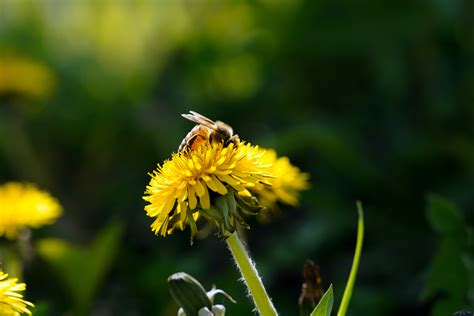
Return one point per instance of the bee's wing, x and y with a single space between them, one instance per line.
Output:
199 119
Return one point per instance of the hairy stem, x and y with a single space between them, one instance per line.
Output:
250 275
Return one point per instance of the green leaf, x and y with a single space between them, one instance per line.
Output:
41 309
443 216
448 273
324 306
82 269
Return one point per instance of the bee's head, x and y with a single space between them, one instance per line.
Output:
223 132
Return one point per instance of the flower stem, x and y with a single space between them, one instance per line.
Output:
10 261
250 275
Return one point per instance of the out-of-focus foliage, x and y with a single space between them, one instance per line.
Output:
41 309
450 273
374 100
82 269
20 76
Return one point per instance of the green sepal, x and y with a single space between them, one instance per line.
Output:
248 205
234 211
192 225
231 200
213 292
223 208
227 212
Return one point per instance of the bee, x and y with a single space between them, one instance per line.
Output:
207 130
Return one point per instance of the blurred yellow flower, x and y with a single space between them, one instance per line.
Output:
12 302
285 185
23 205
25 77
212 181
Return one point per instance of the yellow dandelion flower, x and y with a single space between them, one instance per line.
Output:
25 77
23 205
212 181
285 185
12 302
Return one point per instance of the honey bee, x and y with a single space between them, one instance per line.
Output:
207 130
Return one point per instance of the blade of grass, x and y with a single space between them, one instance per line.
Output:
355 263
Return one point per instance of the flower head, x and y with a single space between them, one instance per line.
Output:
25 77
23 205
12 302
212 181
285 185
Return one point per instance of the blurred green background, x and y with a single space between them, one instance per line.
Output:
374 99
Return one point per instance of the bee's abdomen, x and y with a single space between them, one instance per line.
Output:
197 134
183 144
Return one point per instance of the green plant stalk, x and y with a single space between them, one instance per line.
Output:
10 261
250 275
355 263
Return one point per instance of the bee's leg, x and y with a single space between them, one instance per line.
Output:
234 139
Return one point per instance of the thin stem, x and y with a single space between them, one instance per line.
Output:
10 261
250 275
355 263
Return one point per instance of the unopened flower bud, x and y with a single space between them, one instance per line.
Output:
205 312
463 313
218 310
188 293
191 297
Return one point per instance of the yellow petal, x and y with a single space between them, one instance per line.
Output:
228 179
205 200
197 165
220 188
245 193
190 164
182 209
167 206
200 189
192 197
